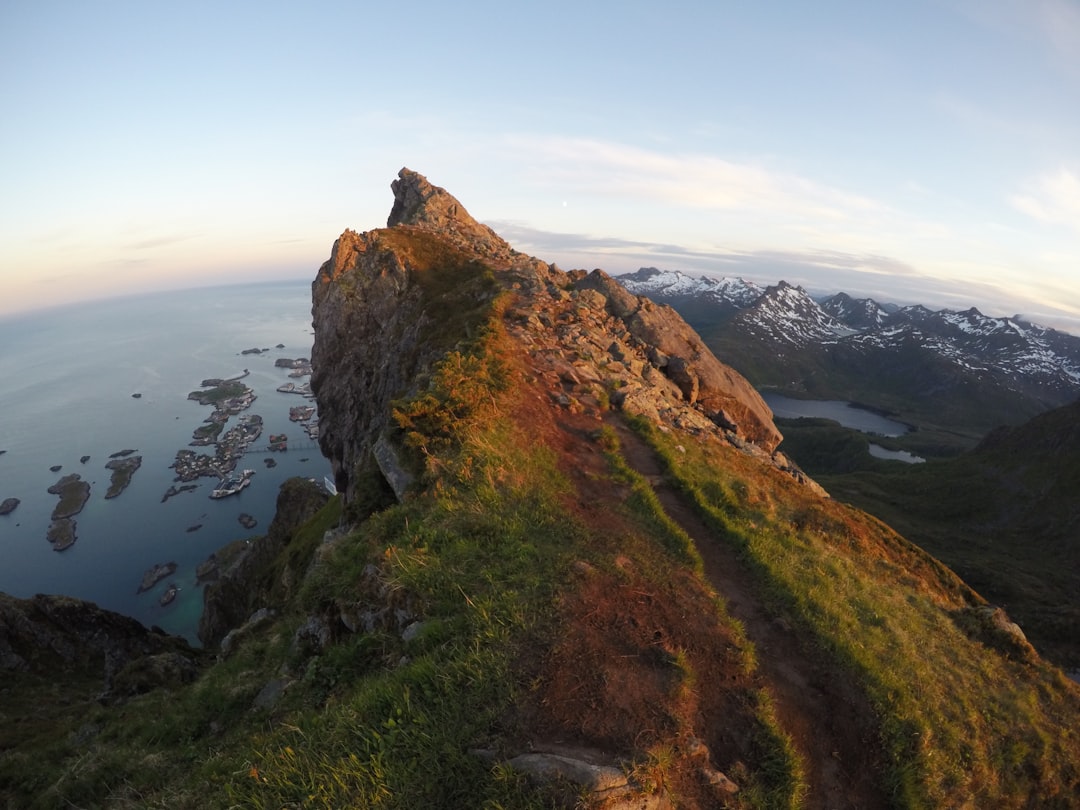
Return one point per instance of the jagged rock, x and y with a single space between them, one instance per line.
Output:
241 589
9 505
313 636
260 618
47 634
390 465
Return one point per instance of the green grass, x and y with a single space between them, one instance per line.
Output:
960 722
227 389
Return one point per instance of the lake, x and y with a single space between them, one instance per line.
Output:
848 416
845 413
68 376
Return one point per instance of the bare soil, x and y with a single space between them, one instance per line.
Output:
828 718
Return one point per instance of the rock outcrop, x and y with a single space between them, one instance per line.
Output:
389 303
251 581
48 635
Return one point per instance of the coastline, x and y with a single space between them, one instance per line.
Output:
71 399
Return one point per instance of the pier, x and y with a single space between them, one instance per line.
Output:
291 447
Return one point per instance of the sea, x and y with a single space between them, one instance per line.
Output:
69 375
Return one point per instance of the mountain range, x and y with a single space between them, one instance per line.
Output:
568 564
955 375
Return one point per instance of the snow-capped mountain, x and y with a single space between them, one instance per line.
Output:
996 368
665 284
860 313
786 314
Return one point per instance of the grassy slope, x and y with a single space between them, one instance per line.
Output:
1004 517
486 553
511 562
964 724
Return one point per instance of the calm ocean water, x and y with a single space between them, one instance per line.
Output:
67 379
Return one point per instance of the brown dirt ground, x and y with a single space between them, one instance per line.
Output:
612 684
828 718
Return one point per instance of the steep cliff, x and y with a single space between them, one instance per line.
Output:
389 303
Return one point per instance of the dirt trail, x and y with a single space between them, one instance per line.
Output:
828 719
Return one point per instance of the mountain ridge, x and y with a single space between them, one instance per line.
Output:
979 372
568 567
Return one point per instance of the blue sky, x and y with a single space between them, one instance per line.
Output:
916 151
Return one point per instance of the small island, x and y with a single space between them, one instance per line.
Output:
73 492
8 505
247 521
122 471
154 575
169 595
56 468
122 453
84 459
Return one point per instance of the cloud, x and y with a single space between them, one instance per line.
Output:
158 241
689 180
819 268
1052 198
884 278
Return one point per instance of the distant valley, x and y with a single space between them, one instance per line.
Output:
994 403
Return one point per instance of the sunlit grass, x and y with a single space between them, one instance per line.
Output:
960 722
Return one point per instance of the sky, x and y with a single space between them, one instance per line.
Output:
918 152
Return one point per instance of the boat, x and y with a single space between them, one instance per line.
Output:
233 484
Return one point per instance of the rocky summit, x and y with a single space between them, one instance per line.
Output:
586 337
566 566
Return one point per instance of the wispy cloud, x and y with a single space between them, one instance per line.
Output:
885 278
1052 198
690 180
164 240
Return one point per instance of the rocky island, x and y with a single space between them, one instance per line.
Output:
8 505
230 446
73 492
154 575
122 471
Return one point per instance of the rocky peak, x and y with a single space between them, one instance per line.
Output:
420 204
390 303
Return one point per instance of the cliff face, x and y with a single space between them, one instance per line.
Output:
48 635
390 302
